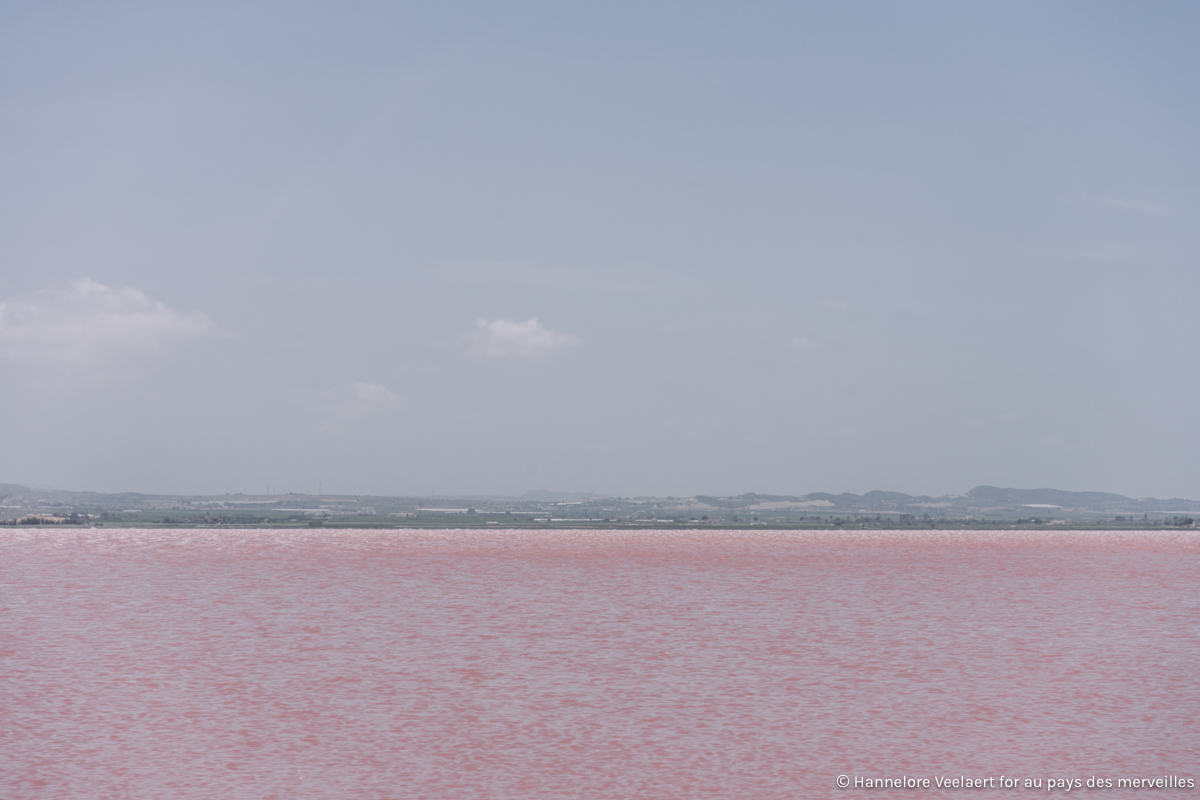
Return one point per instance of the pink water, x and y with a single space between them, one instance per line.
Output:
584 664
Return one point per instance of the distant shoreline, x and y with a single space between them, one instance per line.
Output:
459 524
981 508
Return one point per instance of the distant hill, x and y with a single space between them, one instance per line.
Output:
557 497
977 501
1100 501
745 500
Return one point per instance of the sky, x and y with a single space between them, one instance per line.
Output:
651 248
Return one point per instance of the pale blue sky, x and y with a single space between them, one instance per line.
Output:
768 247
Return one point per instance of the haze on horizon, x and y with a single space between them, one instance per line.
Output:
632 248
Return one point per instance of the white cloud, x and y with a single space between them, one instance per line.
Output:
88 322
373 393
506 338
353 402
798 343
835 305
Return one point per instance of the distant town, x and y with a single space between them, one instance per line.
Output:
981 507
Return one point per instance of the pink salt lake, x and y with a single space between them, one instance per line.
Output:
591 664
